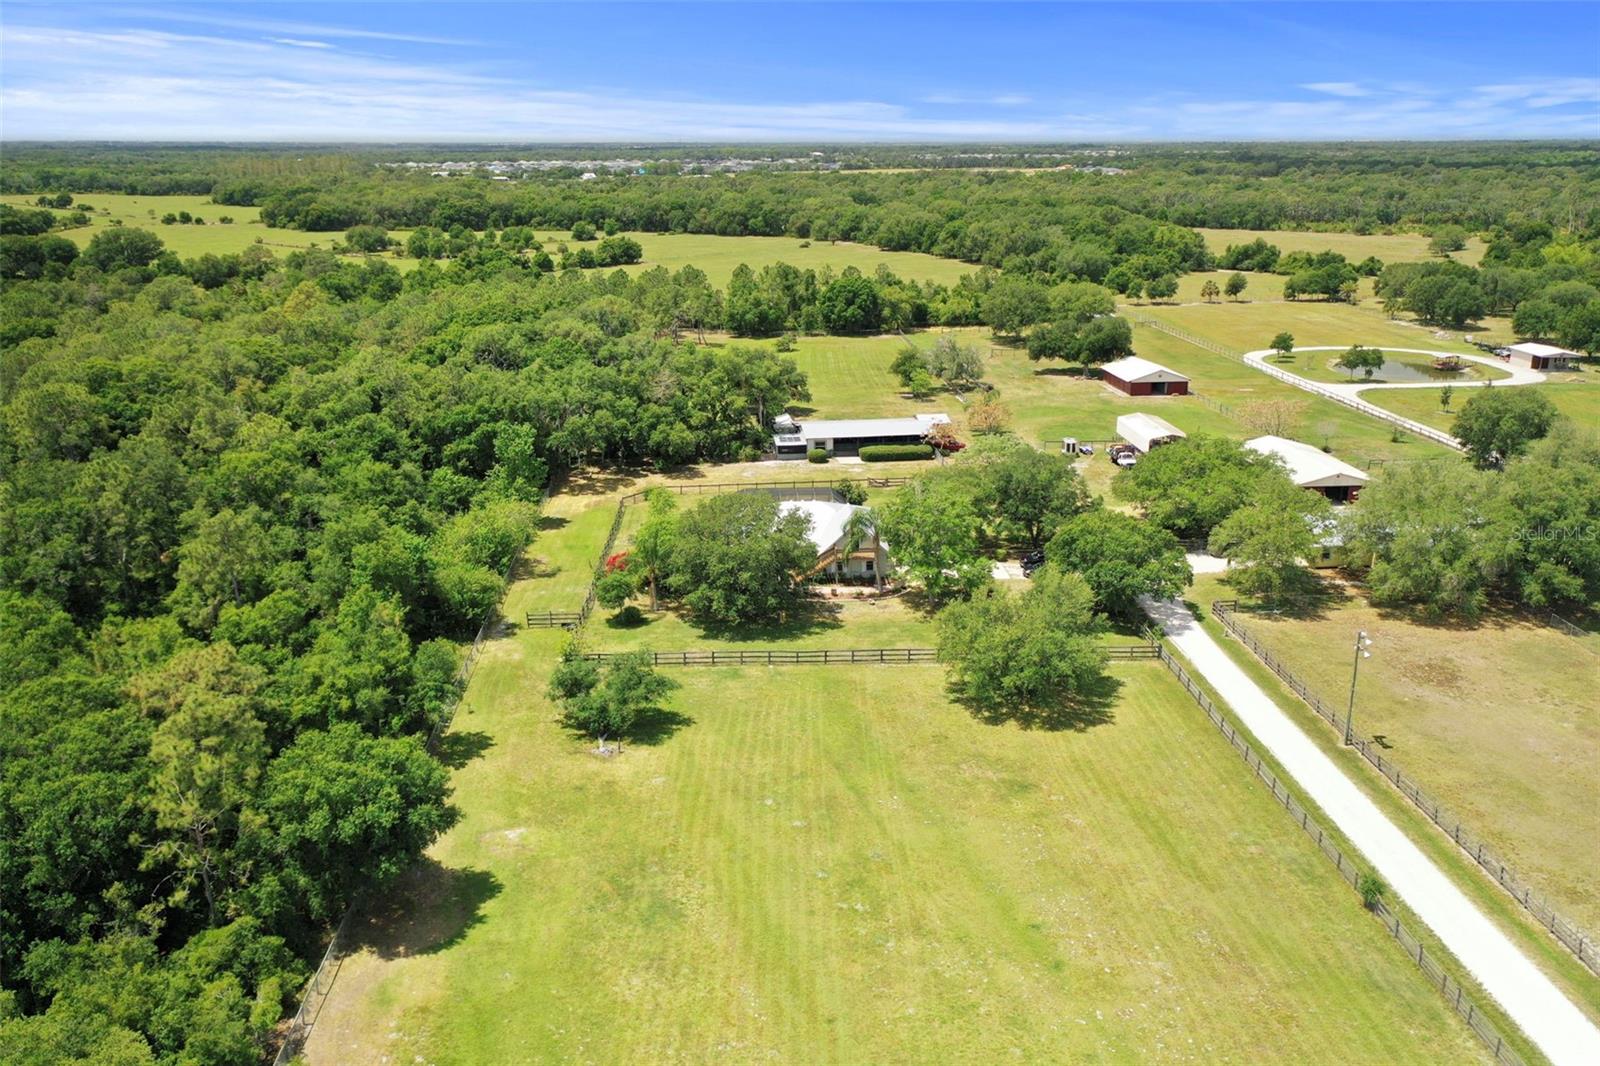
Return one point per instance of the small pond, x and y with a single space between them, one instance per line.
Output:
1400 369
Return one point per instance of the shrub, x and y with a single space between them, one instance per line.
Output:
629 616
852 491
817 455
892 453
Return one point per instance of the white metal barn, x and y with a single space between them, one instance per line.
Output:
1312 468
1147 431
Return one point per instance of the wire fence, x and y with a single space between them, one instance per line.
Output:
1571 935
1355 402
1448 986
321 983
828 656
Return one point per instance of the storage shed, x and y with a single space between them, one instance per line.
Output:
1147 431
1141 377
1312 468
1536 356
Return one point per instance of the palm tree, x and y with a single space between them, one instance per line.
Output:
859 528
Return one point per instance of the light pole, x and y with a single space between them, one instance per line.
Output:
1363 642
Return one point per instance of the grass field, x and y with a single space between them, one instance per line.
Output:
717 256
188 241
1496 721
1390 247
1250 326
1578 398
839 865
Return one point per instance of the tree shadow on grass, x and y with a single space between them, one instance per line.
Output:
429 908
456 748
551 522
1078 713
1309 598
815 616
656 725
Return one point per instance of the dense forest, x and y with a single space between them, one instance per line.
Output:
245 529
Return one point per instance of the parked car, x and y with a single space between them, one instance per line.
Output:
1123 454
1031 562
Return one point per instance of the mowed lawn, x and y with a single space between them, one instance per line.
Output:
1576 395
1389 247
839 865
1498 722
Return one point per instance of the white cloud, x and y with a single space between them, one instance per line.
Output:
1337 88
142 83
1000 100
297 43
292 29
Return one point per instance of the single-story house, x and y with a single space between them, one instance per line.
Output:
1141 377
1536 356
1147 431
868 560
1312 468
791 439
1329 550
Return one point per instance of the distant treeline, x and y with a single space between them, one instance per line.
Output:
931 209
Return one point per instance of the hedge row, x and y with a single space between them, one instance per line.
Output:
890 453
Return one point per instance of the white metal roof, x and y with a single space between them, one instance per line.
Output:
827 519
848 428
1309 467
1546 351
1140 429
1133 368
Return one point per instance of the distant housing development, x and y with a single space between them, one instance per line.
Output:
1312 468
847 436
1141 377
1536 356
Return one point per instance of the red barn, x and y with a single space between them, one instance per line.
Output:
1141 377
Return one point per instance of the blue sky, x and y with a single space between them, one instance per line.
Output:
825 72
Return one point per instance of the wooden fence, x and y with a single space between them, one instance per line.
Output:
1571 935
697 488
828 656
553 619
1448 986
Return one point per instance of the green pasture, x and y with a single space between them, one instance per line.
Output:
841 865
1246 327
188 241
1576 394
1390 247
719 256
